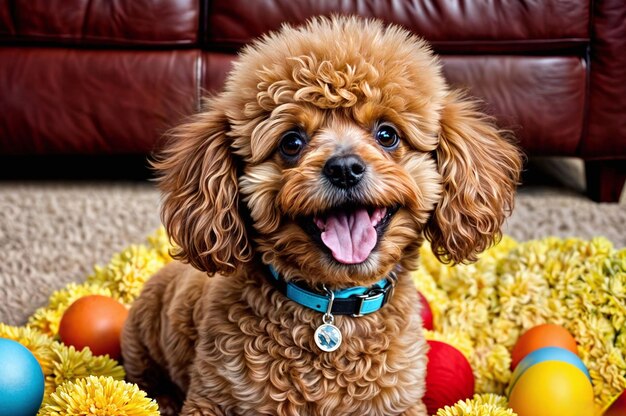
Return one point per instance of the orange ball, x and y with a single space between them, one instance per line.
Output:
546 335
96 322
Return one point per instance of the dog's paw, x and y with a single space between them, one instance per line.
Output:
417 410
204 408
168 405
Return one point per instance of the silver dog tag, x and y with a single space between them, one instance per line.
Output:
328 337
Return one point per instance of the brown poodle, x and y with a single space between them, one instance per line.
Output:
305 190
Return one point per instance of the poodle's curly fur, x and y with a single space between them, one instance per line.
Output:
237 199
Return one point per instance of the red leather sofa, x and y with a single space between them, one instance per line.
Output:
98 77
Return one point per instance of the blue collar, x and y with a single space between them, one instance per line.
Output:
355 301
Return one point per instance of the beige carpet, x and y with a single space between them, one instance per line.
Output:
54 233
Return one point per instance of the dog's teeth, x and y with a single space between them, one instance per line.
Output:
375 217
320 224
378 215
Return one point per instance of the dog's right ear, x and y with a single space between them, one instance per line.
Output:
200 208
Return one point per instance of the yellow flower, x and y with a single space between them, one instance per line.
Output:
98 396
493 363
437 299
69 364
480 405
160 241
127 272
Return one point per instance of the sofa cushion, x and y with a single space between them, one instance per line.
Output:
136 22
78 101
215 68
449 25
539 98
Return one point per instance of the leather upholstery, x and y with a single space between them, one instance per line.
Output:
91 22
6 19
521 92
450 25
215 68
96 76
606 137
57 100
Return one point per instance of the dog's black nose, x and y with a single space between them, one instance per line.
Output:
344 171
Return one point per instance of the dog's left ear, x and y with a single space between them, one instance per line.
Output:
480 171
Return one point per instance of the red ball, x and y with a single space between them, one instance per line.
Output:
618 406
96 322
449 377
427 313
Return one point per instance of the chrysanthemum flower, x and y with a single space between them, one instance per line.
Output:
69 364
160 241
493 362
437 298
480 405
127 272
98 396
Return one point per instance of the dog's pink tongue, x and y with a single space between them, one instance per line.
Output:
350 236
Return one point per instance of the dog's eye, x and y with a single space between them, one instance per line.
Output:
388 137
292 144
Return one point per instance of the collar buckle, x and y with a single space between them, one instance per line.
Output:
375 293
360 299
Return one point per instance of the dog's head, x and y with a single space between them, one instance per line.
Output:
334 149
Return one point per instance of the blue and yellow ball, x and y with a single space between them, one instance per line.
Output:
547 354
552 388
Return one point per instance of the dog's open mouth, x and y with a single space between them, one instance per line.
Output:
350 233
